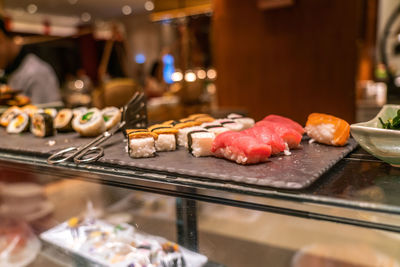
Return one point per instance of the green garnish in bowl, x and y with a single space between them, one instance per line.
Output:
393 124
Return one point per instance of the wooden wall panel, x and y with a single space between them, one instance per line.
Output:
290 61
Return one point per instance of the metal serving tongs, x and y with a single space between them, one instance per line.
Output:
134 115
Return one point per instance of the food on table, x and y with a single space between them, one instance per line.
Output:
247 122
141 143
273 135
78 111
111 116
201 118
214 127
63 120
182 135
285 121
42 125
239 147
166 140
393 123
8 115
289 135
200 142
327 129
18 124
268 136
90 123
231 124
29 109
51 111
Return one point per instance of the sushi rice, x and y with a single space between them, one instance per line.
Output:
111 116
18 124
90 123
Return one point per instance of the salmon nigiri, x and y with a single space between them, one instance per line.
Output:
327 129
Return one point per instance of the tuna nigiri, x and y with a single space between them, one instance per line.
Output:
289 135
268 136
285 121
327 129
239 147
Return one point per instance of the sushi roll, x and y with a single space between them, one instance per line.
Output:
90 123
51 111
42 125
200 143
231 124
63 120
141 143
245 121
183 131
166 140
111 116
214 127
29 109
78 111
8 115
194 122
18 124
201 118
327 129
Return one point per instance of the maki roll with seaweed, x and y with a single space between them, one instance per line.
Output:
78 111
8 115
18 124
111 116
141 143
245 121
200 143
90 123
51 111
63 120
42 125
166 140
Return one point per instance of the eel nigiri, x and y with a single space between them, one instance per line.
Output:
327 129
239 147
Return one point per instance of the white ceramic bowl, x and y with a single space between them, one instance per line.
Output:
382 143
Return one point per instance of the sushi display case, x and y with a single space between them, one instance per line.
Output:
165 211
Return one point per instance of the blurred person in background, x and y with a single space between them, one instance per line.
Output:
155 85
26 72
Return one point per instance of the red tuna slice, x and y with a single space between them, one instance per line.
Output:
269 136
241 148
285 121
288 134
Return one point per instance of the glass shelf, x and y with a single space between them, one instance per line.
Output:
360 190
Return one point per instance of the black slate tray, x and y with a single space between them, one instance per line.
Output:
296 171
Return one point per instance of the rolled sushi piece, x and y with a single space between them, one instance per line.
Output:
141 143
78 111
63 120
214 127
8 115
42 125
111 116
327 129
29 109
200 143
90 123
166 140
51 111
18 124
231 124
182 134
245 121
